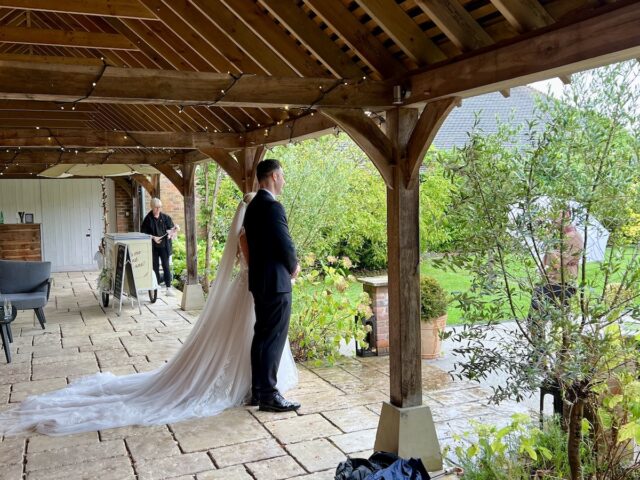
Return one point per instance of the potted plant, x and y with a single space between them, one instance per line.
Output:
433 316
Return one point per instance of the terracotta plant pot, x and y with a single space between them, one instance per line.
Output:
430 336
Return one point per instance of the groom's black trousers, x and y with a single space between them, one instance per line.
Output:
273 311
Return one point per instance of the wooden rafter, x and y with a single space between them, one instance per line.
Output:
65 38
356 35
49 82
524 15
404 31
219 14
456 23
310 35
563 50
106 8
286 47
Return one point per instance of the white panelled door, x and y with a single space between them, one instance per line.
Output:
71 222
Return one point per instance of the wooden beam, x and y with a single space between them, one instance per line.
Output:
310 35
103 8
358 37
608 35
367 136
50 157
404 31
430 121
16 57
456 23
524 15
43 106
58 114
48 82
189 193
298 129
229 164
69 138
173 176
145 182
65 38
51 123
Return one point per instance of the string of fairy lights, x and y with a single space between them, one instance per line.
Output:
291 118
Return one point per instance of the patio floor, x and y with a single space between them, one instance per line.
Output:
339 414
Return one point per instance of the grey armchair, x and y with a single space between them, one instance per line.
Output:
27 285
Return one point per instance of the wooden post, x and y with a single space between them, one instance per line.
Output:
192 295
135 206
188 177
403 267
155 181
249 159
406 426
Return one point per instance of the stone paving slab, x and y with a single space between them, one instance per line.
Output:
316 455
246 452
275 468
339 415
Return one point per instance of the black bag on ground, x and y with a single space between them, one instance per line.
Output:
381 466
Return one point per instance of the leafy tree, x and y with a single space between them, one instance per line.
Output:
582 148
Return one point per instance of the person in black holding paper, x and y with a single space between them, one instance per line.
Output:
162 231
272 266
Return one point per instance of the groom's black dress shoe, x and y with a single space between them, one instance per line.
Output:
278 404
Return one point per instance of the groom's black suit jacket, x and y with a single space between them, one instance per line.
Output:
272 256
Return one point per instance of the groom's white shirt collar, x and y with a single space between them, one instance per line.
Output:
272 195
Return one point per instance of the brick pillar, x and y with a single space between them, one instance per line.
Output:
378 290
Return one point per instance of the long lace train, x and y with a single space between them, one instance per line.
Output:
210 373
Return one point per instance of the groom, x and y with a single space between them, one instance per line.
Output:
272 265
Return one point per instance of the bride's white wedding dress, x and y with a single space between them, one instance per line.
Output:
210 373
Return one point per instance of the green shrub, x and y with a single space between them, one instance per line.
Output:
179 259
324 313
517 451
433 299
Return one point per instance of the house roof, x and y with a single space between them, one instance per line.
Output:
485 113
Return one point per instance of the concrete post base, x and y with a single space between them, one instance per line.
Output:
409 432
192 297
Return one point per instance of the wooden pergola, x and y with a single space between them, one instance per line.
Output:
171 83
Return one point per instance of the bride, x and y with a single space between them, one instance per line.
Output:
210 373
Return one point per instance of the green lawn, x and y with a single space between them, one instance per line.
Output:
460 281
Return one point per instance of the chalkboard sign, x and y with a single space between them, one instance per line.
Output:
124 270
121 258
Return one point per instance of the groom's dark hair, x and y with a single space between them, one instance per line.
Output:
266 168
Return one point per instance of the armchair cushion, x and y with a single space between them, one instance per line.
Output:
25 301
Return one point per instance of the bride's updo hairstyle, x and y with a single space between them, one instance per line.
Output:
248 197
